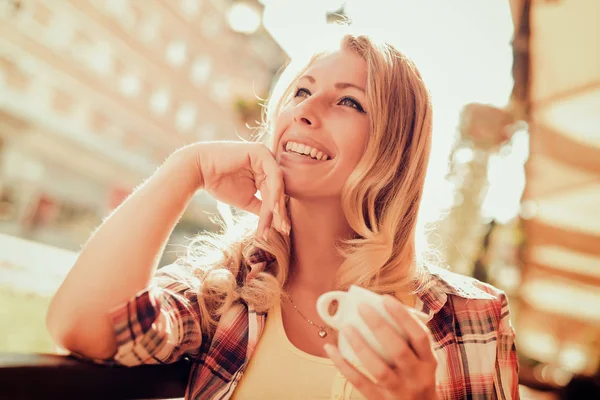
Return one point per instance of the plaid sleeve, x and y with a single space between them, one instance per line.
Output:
159 324
506 377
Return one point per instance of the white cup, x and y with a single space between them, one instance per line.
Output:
347 314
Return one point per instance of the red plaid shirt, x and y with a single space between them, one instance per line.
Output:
469 320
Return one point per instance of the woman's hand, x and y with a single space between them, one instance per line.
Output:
232 172
412 375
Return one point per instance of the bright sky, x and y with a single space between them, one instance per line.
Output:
462 49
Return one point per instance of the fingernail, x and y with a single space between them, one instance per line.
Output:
265 234
276 209
327 347
281 226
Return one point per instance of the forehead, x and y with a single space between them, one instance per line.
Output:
343 65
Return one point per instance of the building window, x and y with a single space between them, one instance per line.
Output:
207 132
159 101
176 53
129 85
201 69
148 28
190 8
210 26
186 117
221 90
101 60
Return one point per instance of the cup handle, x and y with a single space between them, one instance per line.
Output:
323 307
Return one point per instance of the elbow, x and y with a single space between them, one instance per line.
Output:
56 324
60 329
60 321
83 338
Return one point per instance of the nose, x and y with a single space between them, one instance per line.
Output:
306 114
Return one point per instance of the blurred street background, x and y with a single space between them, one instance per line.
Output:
95 94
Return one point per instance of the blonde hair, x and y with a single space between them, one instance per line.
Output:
380 199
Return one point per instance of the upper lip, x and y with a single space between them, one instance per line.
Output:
311 143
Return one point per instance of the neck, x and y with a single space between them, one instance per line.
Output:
317 227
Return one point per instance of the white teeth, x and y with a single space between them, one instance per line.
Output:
306 150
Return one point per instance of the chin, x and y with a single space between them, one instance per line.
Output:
298 188
303 189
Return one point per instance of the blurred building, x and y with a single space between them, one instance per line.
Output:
95 94
557 88
548 258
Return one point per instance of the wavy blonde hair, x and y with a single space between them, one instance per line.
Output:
380 199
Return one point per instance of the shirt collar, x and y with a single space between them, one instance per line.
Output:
434 285
256 260
438 283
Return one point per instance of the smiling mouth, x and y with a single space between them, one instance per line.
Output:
306 151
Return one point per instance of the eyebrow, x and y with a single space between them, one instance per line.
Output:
338 85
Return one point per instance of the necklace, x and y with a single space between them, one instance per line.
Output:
322 329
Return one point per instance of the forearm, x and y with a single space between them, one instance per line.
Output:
121 257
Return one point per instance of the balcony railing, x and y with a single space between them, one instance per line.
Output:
61 377
49 376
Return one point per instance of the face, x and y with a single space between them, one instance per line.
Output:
326 120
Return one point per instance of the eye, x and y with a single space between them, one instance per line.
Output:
302 92
351 102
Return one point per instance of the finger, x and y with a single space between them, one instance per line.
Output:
417 333
372 362
278 221
265 168
406 361
276 188
283 213
389 337
261 165
358 380
279 218
264 221
254 206
274 176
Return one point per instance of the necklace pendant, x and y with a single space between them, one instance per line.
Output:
322 333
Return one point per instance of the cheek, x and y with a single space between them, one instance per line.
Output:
283 121
355 142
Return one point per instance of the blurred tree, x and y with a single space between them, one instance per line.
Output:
249 111
483 130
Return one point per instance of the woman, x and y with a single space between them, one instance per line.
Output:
340 188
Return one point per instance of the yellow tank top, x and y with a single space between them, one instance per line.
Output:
279 370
